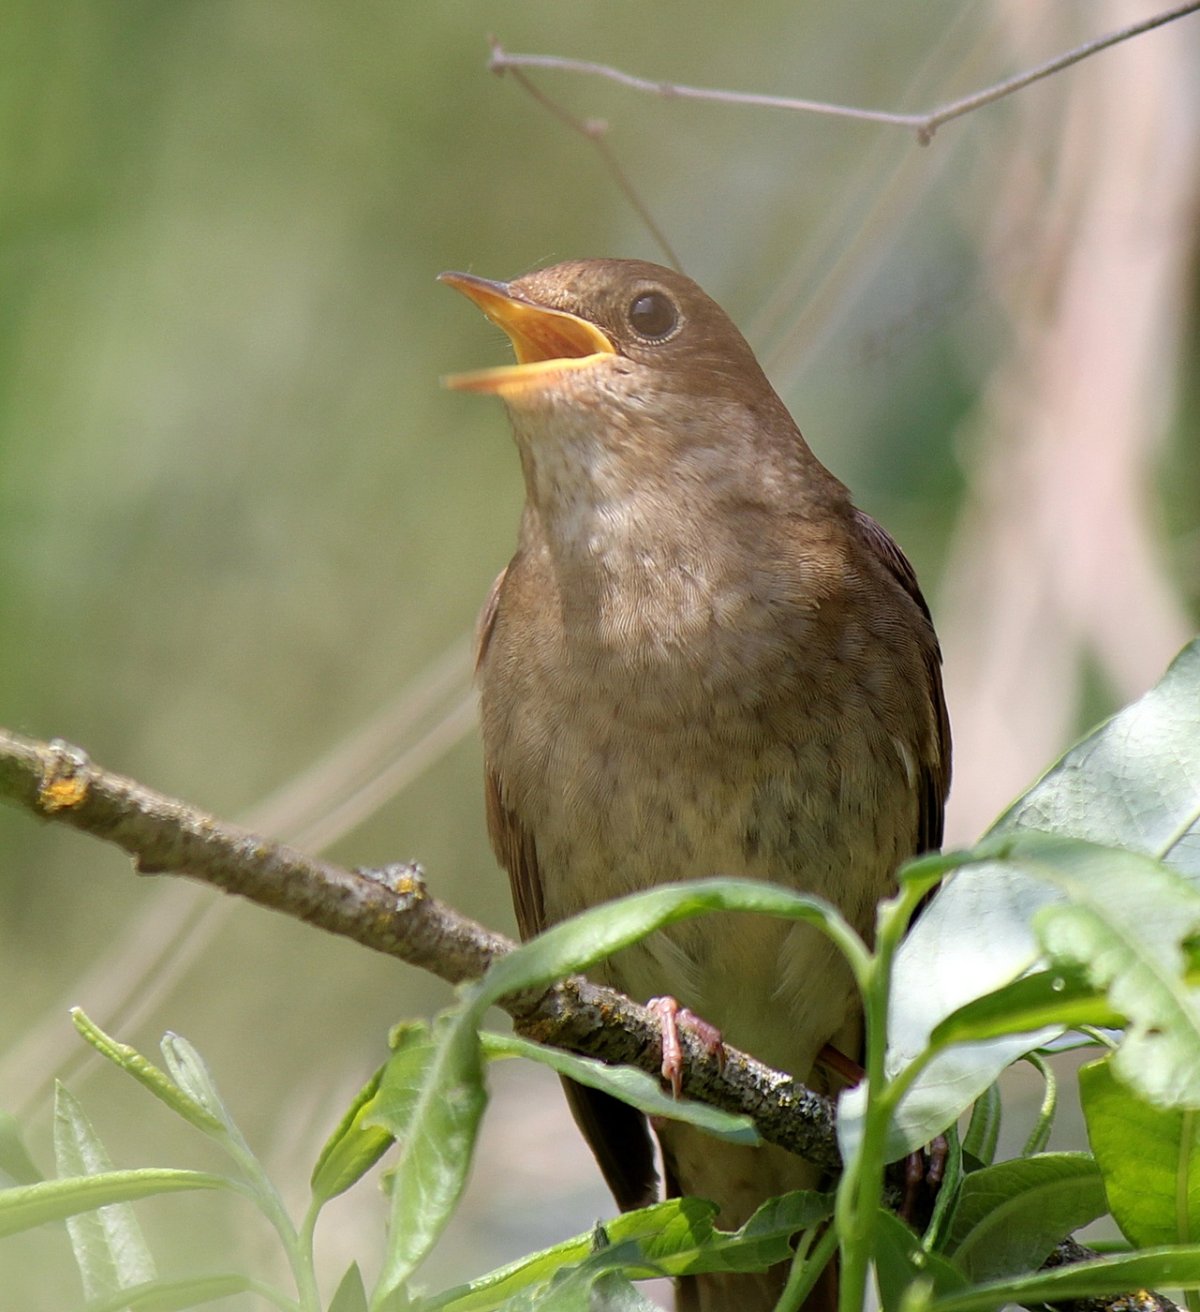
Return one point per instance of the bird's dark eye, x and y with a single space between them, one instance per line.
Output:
653 315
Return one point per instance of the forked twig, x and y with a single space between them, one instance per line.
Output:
924 125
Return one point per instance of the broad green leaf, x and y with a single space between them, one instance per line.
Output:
436 1145
1153 1268
194 1291
1124 924
109 1247
353 1148
28 1205
901 1260
15 1160
351 1295
631 1086
147 1074
1133 782
1010 1216
575 944
1149 1157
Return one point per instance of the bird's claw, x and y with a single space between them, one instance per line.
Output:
672 1018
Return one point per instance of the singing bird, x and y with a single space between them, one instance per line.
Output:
701 660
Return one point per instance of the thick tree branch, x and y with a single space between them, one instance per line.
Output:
390 911
924 125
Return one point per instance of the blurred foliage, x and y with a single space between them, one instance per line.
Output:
237 514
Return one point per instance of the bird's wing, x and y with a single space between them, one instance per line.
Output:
617 1134
933 765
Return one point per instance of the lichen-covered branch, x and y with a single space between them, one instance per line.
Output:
391 911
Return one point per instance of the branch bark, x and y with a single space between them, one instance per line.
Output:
391 911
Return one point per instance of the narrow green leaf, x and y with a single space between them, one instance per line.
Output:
983 1130
948 1192
575 944
147 1074
351 1295
1010 1216
1153 1268
1039 1136
685 1221
109 1247
673 1238
190 1072
901 1260
193 1291
436 1147
29 1205
1149 1158
15 1160
631 1086
402 1079
353 1148
1046 999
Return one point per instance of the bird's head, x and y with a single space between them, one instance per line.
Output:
633 392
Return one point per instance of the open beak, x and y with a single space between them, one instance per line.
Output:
546 341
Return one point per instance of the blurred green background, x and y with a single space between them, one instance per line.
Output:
240 522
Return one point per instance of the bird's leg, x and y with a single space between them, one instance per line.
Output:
672 1018
918 1177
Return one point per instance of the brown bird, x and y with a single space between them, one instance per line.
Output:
701 660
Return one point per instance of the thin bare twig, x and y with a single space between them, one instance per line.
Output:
390 911
924 125
595 131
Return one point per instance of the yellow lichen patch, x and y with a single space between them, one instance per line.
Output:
63 793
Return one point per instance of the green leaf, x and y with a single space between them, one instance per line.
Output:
175 1295
190 1072
1149 1158
684 1222
437 1141
901 1260
631 1086
948 1192
109 1247
1047 999
29 1205
351 1295
1173 1268
1124 925
983 1130
1134 782
353 1148
676 1237
1010 1216
15 1160
147 1074
402 1078
1039 1136
575 944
